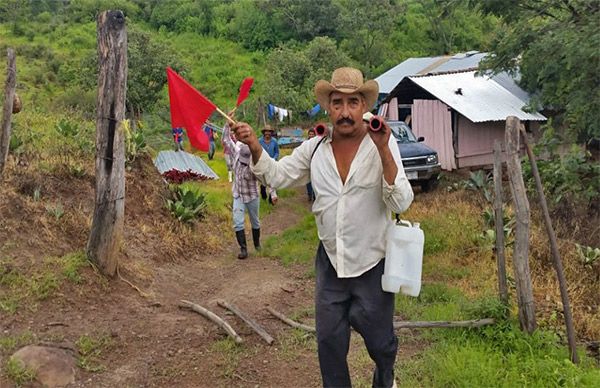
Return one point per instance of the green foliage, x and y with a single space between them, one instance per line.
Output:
364 26
90 350
294 71
567 35
574 177
188 203
18 372
147 60
297 244
588 255
487 239
135 141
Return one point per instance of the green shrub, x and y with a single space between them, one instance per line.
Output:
188 203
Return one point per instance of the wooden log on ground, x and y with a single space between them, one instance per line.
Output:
7 111
290 322
109 210
398 324
434 324
249 321
499 223
562 281
521 247
213 317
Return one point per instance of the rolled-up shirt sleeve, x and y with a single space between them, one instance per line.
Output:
291 170
399 196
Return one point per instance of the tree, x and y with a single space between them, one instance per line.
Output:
554 44
148 58
365 26
307 19
293 72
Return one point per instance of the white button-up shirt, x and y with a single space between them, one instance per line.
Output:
352 217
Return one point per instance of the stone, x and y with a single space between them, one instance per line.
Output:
53 367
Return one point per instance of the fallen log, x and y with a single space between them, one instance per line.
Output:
434 324
213 317
398 324
249 321
290 322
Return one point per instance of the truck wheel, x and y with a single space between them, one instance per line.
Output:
429 184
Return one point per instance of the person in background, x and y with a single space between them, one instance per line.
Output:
359 182
210 132
178 138
269 144
309 189
245 193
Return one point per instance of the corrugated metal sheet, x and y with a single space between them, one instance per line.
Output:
470 60
388 80
183 161
479 98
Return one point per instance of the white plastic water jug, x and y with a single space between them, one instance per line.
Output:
404 258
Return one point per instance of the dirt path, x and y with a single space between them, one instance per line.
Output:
150 342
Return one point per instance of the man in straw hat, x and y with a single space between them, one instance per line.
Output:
358 180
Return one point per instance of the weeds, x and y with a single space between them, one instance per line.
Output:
18 373
56 211
11 343
90 349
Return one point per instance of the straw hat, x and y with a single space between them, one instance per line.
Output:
347 80
268 128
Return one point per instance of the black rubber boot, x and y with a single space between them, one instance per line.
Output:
256 238
241 239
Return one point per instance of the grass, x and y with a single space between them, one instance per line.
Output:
18 286
90 351
18 373
231 354
296 244
9 344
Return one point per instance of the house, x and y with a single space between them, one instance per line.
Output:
458 112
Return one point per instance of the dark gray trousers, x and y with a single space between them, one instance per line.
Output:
358 302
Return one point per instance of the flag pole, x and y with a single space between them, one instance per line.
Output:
225 116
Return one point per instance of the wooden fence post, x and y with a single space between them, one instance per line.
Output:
9 96
521 247
499 222
107 226
562 281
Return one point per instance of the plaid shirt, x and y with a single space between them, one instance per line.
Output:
245 183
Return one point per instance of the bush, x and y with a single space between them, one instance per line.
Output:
188 203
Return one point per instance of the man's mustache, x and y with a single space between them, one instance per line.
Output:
345 120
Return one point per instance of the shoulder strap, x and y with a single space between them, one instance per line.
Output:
318 144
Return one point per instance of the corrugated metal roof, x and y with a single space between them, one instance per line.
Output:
463 61
183 161
388 80
479 98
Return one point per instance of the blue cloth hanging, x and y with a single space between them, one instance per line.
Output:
314 110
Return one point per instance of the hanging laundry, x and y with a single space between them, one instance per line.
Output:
314 110
270 111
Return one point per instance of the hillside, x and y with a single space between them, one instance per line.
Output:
130 330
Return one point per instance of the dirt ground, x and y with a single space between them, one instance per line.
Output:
147 339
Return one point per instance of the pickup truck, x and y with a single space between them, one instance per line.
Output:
420 162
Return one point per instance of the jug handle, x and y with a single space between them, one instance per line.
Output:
402 222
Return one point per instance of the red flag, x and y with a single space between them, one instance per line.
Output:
245 89
189 109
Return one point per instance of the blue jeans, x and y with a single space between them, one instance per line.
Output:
211 149
239 208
